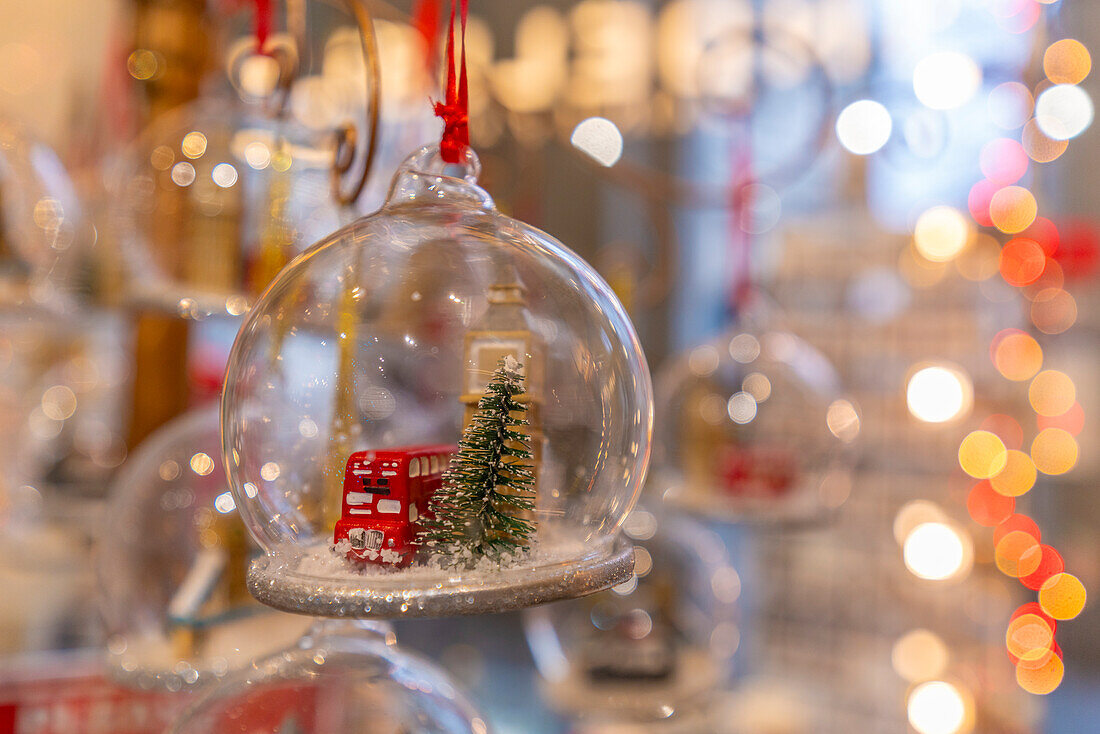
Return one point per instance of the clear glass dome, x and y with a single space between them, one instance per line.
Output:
754 425
386 337
213 200
172 560
654 648
340 677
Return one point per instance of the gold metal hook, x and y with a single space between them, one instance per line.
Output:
347 136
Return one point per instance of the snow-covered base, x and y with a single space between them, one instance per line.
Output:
149 660
330 561
319 580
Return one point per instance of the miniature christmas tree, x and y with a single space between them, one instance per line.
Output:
488 486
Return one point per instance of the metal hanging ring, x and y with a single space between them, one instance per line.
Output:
347 136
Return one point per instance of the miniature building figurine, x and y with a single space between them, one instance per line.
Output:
385 494
504 332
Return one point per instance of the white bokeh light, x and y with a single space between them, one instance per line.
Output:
935 551
946 80
938 394
599 139
937 707
1064 111
863 127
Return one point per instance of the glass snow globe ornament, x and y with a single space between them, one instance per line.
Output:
754 426
340 677
436 410
172 558
652 649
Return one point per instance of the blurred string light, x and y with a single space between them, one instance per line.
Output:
994 455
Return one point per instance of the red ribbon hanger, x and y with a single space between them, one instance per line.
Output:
425 17
262 23
455 110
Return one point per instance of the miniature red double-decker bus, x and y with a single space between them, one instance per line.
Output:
386 492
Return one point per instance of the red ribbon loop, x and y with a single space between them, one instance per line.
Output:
262 23
455 111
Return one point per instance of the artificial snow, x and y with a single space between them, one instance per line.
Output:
324 560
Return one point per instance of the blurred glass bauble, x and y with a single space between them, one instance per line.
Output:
340 677
653 649
754 426
213 200
43 237
384 335
215 197
172 559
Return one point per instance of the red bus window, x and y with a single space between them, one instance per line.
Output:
390 507
414 467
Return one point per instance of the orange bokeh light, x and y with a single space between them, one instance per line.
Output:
1067 62
1054 451
1062 596
1053 310
1051 393
1029 638
1039 147
982 454
1042 680
1016 355
1017 477
1022 261
1052 277
1013 209
1018 554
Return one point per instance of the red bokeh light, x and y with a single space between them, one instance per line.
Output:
987 507
1073 420
1017 522
1022 261
1050 564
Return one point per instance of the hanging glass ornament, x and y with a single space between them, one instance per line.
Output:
340 677
218 195
172 558
436 329
754 426
654 648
